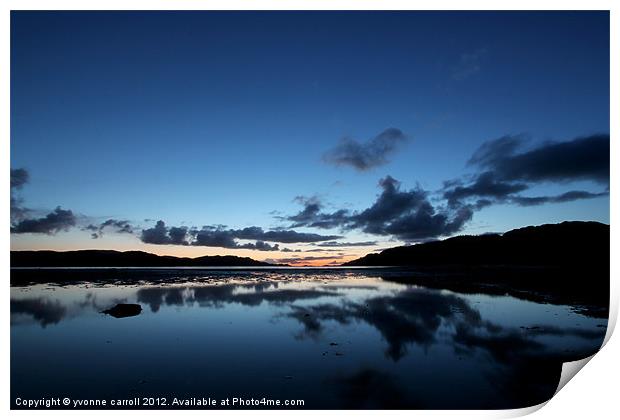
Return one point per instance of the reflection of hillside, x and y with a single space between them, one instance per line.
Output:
515 282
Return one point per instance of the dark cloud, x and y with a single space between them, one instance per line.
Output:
219 236
506 170
214 237
335 244
584 158
260 246
492 152
21 219
485 185
367 155
54 222
177 235
562 198
161 235
405 214
285 236
408 215
312 216
19 177
290 250
312 206
119 226
425 223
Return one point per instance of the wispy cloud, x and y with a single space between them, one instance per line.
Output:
469 64
334 244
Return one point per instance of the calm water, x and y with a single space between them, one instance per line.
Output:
336 339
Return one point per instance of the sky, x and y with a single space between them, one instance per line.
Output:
303 137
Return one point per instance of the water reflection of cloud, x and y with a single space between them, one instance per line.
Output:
405 317
44 311
520 364
414 316
503 346
218 295
411 316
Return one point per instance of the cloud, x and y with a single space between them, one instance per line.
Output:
54 222
562 198
364 156
408 215
506 170
304 260
286 236
485 185
290 250
584 158
119 226
405 214
50 224
19 177
261 246
312 206
214 237
311 215
161 235
346 244
219 236
469 64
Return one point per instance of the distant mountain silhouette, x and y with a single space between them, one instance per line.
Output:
106 258
565 263
567 243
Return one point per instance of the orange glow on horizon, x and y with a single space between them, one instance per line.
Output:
276 257
322 262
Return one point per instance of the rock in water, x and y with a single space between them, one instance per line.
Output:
123 310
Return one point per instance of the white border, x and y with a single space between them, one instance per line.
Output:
592 395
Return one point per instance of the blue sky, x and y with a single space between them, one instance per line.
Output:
215 118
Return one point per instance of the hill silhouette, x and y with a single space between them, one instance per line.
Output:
565 263
108 258
582 243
